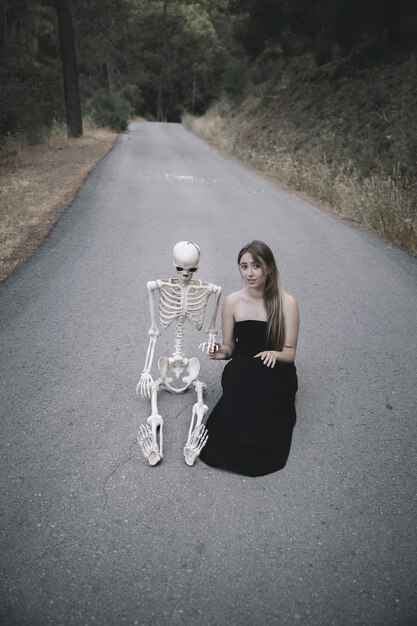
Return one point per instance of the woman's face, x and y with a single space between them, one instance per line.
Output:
251 271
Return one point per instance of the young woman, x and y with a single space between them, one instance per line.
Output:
250 429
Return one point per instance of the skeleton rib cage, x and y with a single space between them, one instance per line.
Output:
177 302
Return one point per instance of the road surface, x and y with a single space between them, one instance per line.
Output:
90 533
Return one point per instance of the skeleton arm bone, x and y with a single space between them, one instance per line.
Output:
145 382
226 348
210 345
212 330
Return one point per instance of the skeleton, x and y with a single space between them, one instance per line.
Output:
181 299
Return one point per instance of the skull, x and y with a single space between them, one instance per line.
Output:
186 260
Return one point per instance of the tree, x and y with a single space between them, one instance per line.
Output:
181 55
104 39
30 69
70 71
164 61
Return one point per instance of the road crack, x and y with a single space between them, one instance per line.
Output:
119 464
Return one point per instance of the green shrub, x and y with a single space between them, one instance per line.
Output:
324 49
235 78
133 95
30 96
111 111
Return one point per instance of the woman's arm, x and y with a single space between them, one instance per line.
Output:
225 349
292 327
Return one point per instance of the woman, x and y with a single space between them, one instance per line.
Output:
250 429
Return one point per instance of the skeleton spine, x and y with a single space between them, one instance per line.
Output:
179 334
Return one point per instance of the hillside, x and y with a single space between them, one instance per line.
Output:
344 132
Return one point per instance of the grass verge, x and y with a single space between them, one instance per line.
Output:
322 136
37 183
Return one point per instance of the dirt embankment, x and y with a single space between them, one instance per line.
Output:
342 133
36 185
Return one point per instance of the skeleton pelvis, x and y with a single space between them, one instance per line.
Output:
178 366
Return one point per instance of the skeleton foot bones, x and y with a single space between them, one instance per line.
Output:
181 299
195 444
148 445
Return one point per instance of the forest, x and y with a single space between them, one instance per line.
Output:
334 81
162 58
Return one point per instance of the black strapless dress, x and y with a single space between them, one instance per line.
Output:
250 428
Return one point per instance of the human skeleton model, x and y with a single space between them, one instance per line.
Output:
180 299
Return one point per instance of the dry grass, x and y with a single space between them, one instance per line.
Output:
36 185
385 204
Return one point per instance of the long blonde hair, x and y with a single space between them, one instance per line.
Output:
263 255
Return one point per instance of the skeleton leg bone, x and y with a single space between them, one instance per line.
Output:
147 435
197 434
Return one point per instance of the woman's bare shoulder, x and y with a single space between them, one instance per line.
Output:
289 300
233 298
290 306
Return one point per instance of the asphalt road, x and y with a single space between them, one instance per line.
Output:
90 533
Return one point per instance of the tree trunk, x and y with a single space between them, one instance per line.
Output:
111 71
193 96
69 67
5 25
164 47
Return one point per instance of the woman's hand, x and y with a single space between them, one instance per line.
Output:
268 357
218 352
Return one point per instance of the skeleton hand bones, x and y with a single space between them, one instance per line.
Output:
210 345
144 386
